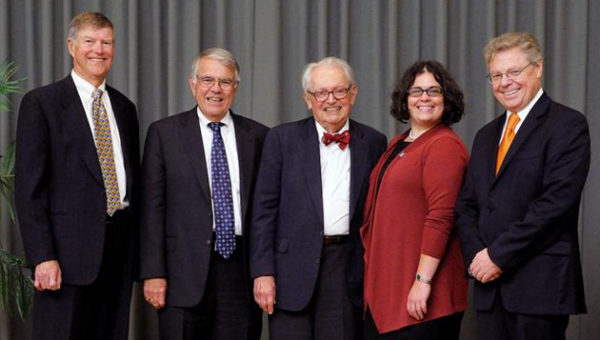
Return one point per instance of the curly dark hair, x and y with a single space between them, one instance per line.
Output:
454 105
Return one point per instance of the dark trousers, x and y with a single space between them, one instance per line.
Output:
226 311
444 328
96 311
330 315
499 324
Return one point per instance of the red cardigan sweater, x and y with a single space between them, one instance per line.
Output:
413 214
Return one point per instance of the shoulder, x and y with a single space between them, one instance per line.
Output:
368 131
249 124
170 122
50 91
117 97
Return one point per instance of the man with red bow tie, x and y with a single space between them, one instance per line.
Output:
305 251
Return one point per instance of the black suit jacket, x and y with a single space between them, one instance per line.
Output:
60 196
176 221
287 227
527 215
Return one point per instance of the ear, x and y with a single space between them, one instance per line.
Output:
540 69
353 93
307 99
71 47
192 86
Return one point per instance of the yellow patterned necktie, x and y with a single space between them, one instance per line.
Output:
104 147
509 135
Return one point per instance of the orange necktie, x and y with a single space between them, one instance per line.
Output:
509 135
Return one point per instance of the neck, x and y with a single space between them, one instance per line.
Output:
417 130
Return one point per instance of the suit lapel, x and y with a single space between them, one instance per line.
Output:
528 126
308 150
123 126
75 119
358 165
246 150
194 149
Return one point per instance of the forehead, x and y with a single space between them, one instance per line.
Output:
425 78
328 77
90 30
214 68
507 59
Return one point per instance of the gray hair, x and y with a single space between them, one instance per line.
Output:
330 62
218 54
94 19
525 41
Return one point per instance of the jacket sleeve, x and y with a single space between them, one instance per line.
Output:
31 181
266 208
441 189
153 207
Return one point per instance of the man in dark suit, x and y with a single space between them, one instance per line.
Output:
517 214
198 176
76 169
313 179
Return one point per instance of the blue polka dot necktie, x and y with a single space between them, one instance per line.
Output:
221 192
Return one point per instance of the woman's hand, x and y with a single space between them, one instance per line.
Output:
417 300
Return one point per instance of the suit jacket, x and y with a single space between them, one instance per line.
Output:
60 195
527 215
287 229
176 220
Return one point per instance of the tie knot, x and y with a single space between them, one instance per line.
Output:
216 127
513 120
97 94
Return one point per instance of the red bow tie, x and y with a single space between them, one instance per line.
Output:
343 139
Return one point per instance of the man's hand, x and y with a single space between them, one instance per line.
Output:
155 292
264 293
417 300
483 269
47 276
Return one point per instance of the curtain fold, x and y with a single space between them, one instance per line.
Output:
156 42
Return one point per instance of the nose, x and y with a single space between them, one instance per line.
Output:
331 98
98 48
505 80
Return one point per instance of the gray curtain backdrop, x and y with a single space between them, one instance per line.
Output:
273 39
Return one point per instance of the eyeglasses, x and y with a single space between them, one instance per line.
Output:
433 91
323 95
224 84
495 78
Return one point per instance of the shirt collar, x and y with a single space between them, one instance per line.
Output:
321 130
227 120
84 88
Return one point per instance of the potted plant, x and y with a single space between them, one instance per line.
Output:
16 287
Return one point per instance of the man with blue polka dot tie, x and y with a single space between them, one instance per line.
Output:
197 178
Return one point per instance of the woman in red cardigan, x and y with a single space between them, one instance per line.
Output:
415 284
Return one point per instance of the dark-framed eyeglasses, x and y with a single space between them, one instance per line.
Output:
225 84
495 78
433 91
339 93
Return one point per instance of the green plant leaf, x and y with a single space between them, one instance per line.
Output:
8 160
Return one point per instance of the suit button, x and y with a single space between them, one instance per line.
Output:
490 208
318 260
208 242
210 213
321 233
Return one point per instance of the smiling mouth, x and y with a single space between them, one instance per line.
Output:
214 99
511 92
332 108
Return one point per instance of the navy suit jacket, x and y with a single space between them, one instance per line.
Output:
60 196
527 215
287 226
176 220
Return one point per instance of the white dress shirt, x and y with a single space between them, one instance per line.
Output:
228 135
522 114
335 179
85 91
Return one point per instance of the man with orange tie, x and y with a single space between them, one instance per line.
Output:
517 214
